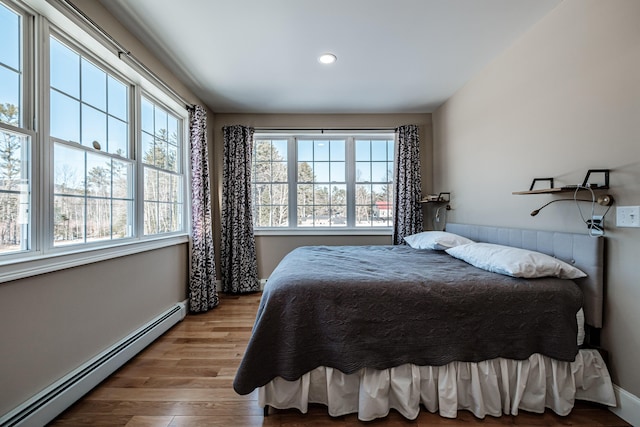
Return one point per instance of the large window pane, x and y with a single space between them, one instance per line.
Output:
118 137
65 69
122 219
10 29
94 127
93 188
147 116
69 169
118 99
98 177
122 180
147 149
374 178
270 190
94 86
98 219
150 218
9 96
151 185
68 220
163 183
65 117
10 65
172 158
15 192
305 150
168 218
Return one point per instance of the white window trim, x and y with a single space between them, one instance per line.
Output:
43 256
335 231
46 263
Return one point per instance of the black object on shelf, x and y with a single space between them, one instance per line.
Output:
605 172
533 183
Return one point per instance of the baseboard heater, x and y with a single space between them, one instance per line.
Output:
50 402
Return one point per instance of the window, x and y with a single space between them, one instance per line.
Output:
11 66
15 141
93 165
93 172
15 191
270 186
322 182
161 148
374 182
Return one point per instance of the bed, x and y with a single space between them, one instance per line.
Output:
369 329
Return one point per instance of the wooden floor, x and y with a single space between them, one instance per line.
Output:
185 377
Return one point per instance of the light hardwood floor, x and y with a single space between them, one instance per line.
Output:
185 377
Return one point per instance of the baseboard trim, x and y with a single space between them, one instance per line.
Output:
628 406
50 402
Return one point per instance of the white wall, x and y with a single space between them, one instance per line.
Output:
563 99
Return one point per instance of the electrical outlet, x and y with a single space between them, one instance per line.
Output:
628 216
596 225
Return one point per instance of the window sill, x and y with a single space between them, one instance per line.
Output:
33 265
324 232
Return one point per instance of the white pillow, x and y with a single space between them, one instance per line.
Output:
514 261
438 240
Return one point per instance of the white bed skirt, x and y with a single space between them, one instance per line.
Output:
493 387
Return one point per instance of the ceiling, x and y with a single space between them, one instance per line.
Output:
260 56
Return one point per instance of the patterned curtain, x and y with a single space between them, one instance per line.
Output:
238 251
407 218
203 295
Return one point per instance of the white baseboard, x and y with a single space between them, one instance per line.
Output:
628 406
50 402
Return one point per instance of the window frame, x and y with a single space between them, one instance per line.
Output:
25 121
40 21
182 167
50 143
350 180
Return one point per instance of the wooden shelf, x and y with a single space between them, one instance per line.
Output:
569 188
434 201
558 190
443 198
541 191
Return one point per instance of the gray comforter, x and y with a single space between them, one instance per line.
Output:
350 307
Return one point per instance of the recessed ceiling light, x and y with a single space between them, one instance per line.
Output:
327 58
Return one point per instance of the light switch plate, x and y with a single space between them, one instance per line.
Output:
628 216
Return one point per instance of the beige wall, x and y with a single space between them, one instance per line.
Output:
53 323
271 249
563 99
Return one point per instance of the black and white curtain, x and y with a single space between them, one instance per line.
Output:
202 277
407 217
238 250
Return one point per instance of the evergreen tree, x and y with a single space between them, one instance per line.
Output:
11 164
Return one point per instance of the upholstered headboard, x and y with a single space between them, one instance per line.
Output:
581 250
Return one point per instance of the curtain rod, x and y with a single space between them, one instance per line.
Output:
122 51
321 130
